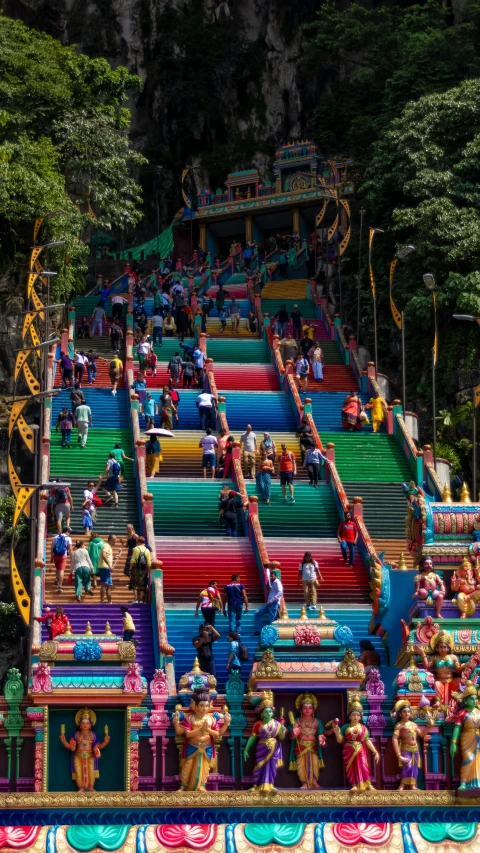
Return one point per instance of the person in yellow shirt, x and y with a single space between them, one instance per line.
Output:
105 566
115 369
308 330
379 410
140 563
128 625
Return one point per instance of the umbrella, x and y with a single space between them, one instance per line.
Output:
160 431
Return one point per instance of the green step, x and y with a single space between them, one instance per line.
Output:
89 461
384 507
331 353
374 457
314 512
169 347
238 350
109 519
187 508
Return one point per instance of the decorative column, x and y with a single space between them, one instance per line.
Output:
36 717
202 236
159 722
248 228
234 695
135 717
296 220
13 694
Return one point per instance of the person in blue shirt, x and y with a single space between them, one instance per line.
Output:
234 661
149 409
234 600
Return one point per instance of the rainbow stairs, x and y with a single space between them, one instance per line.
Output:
77 465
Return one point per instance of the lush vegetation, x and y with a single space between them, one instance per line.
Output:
403 100
64 147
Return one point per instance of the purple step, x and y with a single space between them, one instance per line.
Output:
99 614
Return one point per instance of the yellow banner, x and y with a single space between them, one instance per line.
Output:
476 396
15 410
397 317
27 321
37 303
33 384
36 229
435 340
23 497
26 433
20 361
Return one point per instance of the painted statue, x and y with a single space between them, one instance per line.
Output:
405 743
429 586
445 666
267 734
307 736
416 521
355 738
465 583
86 749
467 725
201 727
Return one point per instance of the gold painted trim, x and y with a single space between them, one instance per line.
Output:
128 728
45 750
228 799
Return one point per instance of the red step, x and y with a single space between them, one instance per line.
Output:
189 564
102 380
247 377
336 377
342 585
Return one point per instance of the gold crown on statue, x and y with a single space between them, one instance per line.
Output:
400 705
85 714
305 699
355 704
470 690
266 700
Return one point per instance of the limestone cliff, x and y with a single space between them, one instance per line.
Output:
222 87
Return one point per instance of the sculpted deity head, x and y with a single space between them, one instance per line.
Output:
402 711
469 697
265 707
306 703
355 712
441 644
426 565
85 719
200 702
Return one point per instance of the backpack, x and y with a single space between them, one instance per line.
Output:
60 545
61 496
115 468
142 561
242 652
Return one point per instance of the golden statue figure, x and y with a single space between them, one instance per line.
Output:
86 749
405 743
200 727
306 732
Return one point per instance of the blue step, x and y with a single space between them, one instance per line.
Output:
266 411
182 626
187 410
327 410
107 411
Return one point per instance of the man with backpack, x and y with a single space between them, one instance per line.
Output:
228 512
140 563
237 652
112 484
115 369
62 506
234 600
188 372
174 367
95 548
61 548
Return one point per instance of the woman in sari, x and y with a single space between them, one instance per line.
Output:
266 734
468 724
355 738
351 409
268 448
167 409
264 479
200 727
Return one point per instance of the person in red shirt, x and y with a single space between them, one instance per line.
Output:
288 469
347 536
57 622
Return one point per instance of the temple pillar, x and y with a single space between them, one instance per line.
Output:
202 236
296 220
248 229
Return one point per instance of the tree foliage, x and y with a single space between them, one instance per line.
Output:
64 145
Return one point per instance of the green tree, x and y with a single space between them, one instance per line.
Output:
64 146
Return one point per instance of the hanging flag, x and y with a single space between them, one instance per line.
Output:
371 234
395 312
435 340
476 396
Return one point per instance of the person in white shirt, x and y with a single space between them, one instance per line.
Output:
143 351
309 574
248 444
117 306
80 362
267 614
205 403
208 443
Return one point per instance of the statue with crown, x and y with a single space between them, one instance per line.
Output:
306 732
86 748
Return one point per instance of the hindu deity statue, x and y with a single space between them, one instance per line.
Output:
429 586
445 666
86 749
405 743
306 732
416 522
201 727
355 738
464 582
467 725
267 734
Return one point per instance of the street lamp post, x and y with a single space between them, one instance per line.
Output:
371 237
429 281
469 318
399 316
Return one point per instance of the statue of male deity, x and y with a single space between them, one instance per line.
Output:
429 585
306 732
86 749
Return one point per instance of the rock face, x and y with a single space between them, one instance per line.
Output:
222 85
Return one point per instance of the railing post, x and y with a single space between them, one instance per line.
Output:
202 342
371 372
357 509
390 420
364 382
